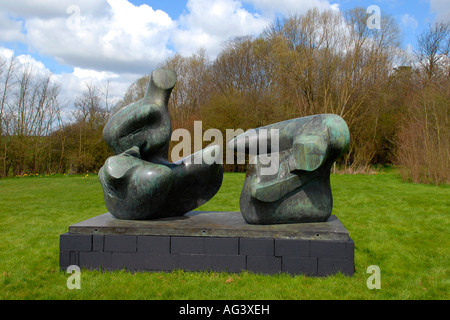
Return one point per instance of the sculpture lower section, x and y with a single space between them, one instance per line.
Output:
135 189
208 241
299 190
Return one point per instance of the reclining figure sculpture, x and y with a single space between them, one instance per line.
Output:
300 189
139 183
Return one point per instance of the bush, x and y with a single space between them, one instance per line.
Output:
424 137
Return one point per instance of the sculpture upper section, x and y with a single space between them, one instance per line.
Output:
139 182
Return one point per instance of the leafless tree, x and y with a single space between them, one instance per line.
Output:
7 67
433 50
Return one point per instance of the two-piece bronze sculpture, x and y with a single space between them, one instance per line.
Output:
139 182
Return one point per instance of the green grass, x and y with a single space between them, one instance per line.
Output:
402 228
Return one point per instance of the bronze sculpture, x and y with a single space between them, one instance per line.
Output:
299 190
139 183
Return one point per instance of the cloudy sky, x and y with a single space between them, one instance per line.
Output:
85 41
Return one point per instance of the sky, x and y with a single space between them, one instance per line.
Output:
94 41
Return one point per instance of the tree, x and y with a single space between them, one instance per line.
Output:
86 149
135 92
327 62
423 136
32 107
432 54
7 68
241 87
192 87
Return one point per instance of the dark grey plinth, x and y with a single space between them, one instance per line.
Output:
217 241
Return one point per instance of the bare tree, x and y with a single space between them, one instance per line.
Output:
433 50
134 92
86 147
30 105
424 128
328 62
192 87
7 68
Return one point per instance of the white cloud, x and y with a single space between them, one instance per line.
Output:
27 61
6 53
94 75
74 84
51 8
290 7
118 36
11 30
209 23
119 41
127 38
24 62
441 8
409 21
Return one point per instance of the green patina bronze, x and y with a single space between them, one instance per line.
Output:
300 189
139 183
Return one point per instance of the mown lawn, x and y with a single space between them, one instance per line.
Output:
402 228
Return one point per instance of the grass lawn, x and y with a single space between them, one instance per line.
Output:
403 228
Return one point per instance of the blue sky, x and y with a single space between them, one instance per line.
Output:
412 15
173 7
120 40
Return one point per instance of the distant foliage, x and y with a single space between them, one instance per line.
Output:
397 107
38 134
423 140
